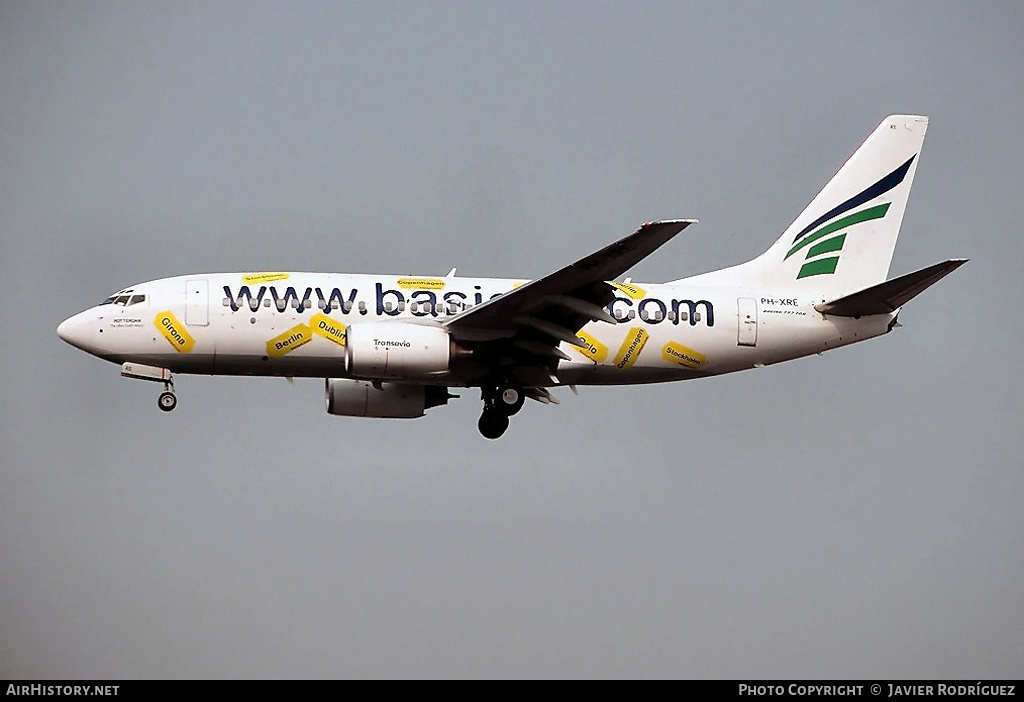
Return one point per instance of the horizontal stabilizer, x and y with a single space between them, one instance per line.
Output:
892 294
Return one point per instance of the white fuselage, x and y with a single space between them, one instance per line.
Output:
294 324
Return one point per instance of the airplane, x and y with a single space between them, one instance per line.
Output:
394 346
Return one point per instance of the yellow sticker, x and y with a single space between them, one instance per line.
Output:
591 347
420 283
328 328
637 293
683 355
631 348
289 341
174 331
252 278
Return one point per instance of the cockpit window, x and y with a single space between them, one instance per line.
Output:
124 299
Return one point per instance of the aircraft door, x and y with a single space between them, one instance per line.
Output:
197 303
746 318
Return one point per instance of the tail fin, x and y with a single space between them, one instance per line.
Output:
844 240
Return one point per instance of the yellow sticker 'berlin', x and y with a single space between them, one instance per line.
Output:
263 277
683 355
328 328
174 331
420 283
289 341
591 347
633 291
631 348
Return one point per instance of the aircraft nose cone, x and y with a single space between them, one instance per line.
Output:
76 331
64 330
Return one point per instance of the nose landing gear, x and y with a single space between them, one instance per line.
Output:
167 401
500 403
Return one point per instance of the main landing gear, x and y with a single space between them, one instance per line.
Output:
500 403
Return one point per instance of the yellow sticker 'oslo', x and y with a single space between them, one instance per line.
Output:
591 347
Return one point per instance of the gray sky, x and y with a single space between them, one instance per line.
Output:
851 515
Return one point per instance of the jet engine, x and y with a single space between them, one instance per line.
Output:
360 398
396 350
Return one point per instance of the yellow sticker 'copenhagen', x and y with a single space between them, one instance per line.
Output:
633 291
289 341
328 328
683 355
591 347
420 283
174 331
631 348
252 278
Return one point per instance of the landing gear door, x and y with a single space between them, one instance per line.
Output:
197 303
746 332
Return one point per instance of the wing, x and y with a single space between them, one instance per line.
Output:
517 333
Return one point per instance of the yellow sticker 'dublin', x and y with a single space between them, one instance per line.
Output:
635 341
633 291
290 340
683 355
174 331
328 328
252 278
420 283
591 347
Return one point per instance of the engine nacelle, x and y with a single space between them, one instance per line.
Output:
396 350
359 398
